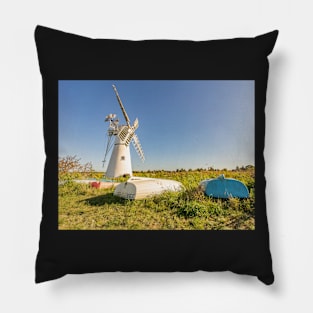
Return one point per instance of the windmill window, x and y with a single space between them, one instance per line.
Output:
123 158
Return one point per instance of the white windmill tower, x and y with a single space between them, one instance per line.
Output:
120 161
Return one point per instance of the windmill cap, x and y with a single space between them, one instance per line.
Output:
110 117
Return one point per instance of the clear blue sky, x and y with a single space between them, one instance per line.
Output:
182 124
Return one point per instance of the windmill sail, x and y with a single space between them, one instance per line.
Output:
138 147
121 105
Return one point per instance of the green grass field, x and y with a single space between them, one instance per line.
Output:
82 207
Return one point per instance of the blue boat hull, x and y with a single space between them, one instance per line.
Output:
225 188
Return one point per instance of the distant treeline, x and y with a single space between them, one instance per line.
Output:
241 168
70 167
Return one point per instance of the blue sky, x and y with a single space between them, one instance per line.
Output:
182 124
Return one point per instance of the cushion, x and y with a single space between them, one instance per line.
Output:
88 229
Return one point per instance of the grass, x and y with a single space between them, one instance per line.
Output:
82 207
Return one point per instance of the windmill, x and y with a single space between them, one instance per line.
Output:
123 135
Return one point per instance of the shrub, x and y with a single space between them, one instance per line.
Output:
70 167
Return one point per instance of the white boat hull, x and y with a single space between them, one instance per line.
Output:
137 188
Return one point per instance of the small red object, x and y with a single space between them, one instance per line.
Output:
95 184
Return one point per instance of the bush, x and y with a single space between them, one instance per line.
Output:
70 168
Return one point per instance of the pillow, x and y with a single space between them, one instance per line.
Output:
203 233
